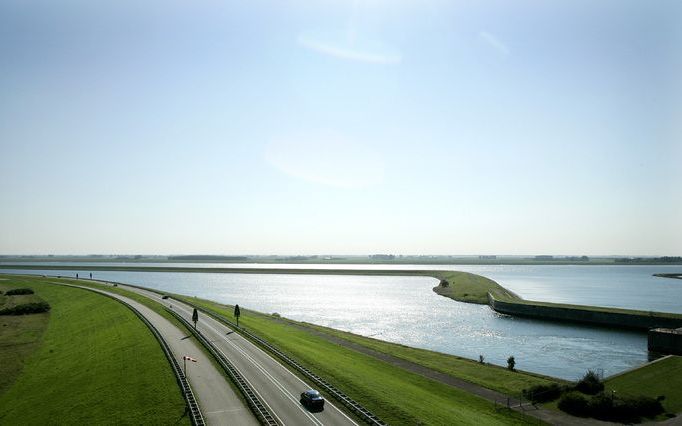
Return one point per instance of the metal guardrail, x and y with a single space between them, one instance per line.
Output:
195 412
350 403
257 406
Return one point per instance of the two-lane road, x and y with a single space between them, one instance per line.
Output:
279 388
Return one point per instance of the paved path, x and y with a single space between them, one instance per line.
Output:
277 386
219 403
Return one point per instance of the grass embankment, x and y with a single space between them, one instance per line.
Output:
467 287
96 363
394 394
663 377
486 375
156 307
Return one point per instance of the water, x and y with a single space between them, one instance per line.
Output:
405 310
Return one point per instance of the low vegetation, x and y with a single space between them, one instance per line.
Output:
26 309
610 407
18 291
589 397
21 301
543 393
95 363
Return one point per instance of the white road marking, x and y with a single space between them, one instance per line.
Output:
185 308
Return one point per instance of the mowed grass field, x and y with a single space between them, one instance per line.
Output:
95 363
19 335
394 394
658 378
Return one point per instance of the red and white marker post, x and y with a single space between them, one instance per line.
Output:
186 358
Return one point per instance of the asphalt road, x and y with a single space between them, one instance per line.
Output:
278 387
217 399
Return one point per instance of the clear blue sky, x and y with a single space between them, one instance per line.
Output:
426 127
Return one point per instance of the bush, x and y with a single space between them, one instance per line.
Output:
511 362
444 283
590 384
645 406
610 407
600 406
18 291
575 404
542 393
26 308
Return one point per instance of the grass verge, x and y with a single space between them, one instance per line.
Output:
96 363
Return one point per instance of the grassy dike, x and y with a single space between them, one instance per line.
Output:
95 363
662 377
394 394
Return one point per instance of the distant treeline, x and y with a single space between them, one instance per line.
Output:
663 259
210 257
563 258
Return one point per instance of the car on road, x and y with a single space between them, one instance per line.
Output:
165 296
312 399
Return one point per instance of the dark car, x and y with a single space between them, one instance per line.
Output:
165 296
312 399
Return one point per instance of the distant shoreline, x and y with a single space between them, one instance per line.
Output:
350 260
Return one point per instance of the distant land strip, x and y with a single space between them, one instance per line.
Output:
676 275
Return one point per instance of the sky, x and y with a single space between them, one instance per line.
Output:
341 127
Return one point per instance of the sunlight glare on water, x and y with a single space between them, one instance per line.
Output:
405 310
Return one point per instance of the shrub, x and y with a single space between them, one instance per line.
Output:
17 291
511 362
542 393
590 384
574 403
611 407
26 308
600 406
645 406
444 283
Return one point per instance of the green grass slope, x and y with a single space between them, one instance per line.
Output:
485 375
97 363
20 335
467 287
663 377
